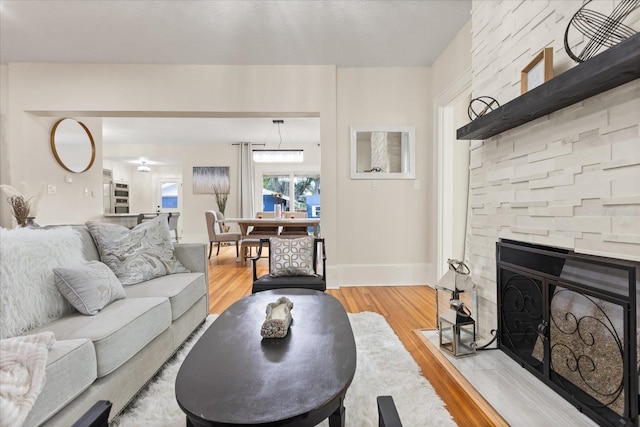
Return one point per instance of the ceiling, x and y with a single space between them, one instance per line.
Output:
295 132
345 33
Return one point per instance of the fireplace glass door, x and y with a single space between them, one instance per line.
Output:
586 344
571 321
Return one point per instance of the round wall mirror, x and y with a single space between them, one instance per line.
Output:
72 145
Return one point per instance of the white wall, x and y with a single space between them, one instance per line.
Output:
5 211
453 61
398 215
387 229
570 179
40 93
381 237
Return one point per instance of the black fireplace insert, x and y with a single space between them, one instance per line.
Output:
571 320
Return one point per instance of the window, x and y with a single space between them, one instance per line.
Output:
277 188
306 193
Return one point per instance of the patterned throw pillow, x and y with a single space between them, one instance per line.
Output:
89 288
139 254
291 257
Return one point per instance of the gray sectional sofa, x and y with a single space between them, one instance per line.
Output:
112 355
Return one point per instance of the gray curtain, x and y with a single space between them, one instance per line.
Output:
246 181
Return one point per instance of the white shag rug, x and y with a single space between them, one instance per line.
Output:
384 367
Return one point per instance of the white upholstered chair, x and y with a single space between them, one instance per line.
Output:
216 235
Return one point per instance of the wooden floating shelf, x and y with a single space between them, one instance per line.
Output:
612 68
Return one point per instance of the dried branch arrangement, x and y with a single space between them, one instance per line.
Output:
221 191
21 206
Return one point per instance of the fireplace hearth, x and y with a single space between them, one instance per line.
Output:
571 320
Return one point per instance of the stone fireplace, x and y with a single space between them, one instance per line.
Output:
568 180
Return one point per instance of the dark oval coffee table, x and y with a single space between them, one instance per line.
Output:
233 377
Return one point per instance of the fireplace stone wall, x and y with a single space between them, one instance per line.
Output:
570 179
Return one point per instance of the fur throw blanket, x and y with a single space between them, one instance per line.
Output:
22 367
29 296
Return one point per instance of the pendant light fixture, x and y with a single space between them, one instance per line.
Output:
278 155
144 168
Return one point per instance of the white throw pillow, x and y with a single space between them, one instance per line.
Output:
28 294
291 257
89 288
139 254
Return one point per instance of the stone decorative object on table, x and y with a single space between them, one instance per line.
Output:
276 325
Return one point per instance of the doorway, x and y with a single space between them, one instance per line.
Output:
453 172
168 195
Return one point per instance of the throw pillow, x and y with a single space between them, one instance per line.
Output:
89 288
139 254
291 257
28 294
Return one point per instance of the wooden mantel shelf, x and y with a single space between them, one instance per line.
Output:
613 67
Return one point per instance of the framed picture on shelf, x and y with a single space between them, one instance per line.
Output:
538 71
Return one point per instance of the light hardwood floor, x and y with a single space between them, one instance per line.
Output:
405 308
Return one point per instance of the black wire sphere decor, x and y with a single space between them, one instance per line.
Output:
599 30
480 106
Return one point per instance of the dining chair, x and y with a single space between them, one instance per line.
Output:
252 237
246 247
142 217
215 220
173 224
283 272
172 219
264 230
294 230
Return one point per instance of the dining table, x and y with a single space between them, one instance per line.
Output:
246 225
250 238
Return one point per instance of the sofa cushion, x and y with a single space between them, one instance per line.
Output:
119 331
71 369
183 290
28 294
136 255
89 288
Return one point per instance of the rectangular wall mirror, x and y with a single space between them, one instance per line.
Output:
383 152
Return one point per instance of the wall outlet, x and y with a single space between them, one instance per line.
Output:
375 185
416 184
68 179
86 192
51 189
